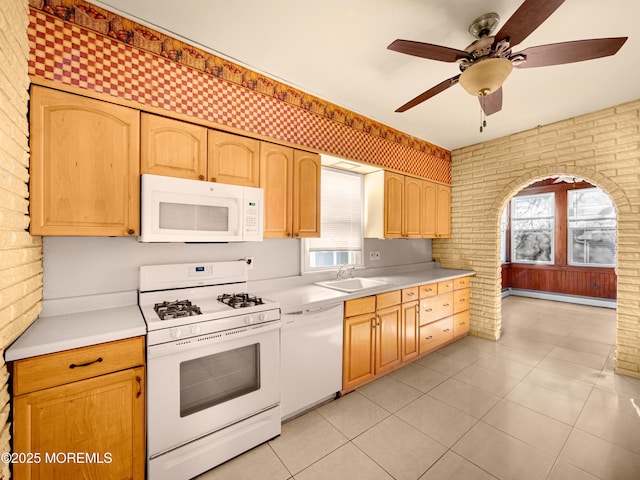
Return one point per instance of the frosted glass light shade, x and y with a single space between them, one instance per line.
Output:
486 76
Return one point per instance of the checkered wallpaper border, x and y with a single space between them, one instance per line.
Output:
73 55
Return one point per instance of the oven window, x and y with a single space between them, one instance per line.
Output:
184 216
218 378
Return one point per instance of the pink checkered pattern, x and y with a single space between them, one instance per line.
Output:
73 55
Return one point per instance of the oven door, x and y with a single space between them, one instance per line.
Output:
181 210
200 385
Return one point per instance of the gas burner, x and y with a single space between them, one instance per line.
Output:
240 300
177 309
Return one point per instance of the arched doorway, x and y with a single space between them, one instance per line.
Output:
624 212
558 242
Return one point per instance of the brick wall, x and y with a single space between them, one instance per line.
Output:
603 148
20 254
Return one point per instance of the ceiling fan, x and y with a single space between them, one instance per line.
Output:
488 61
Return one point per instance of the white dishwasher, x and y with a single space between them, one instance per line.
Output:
311 357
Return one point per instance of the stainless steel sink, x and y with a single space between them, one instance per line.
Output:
351 284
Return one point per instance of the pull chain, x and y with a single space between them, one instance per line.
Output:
483 118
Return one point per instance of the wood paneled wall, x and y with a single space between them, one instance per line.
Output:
586 281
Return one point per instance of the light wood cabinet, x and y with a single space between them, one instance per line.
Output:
436 210
385 331
84 166
412 211
233 159
358 352
388 327
400 206
444 212
444 313
410 324
306 194
89 401
172 148
291 183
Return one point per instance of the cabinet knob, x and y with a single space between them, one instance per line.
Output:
131 231
213 179
288 234
297 234
201 177
446 305
429 337
373 322
446 330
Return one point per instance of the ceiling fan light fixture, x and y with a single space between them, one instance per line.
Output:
486 76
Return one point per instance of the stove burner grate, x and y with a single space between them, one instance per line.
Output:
240 300
177 309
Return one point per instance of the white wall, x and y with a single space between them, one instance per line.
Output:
76 266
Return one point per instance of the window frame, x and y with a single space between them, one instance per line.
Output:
571 229
358 261
513 221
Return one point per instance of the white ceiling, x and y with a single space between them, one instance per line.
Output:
337 50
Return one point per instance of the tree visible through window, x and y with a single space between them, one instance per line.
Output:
532 223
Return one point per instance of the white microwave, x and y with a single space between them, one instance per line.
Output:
182 210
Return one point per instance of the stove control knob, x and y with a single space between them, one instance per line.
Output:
262 317
175 333
248 320
194 329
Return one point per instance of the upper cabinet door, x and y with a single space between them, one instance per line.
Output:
173 148
84 166
412 207
306 194
393 204
276 178
234 159
444 211
429 209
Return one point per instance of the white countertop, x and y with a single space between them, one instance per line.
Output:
295 297
60 329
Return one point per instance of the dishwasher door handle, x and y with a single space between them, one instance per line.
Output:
313 311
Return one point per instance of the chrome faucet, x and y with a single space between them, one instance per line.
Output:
341 271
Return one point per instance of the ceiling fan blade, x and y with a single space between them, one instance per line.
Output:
529 16
491 103
427 50
570 52
441 87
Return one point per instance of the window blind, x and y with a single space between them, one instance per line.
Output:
341 214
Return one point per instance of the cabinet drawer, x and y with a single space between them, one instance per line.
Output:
358 306
459 283
435 334
435 308
444 287
54 369
388 299
461 323
409 294
460 300
428 290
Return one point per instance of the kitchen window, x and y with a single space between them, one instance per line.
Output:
592 228
341 223
532 224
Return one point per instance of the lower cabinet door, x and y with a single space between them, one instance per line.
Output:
461 323
90 429
435 334
388 341
358 362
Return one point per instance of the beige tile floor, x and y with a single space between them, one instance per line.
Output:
542 403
